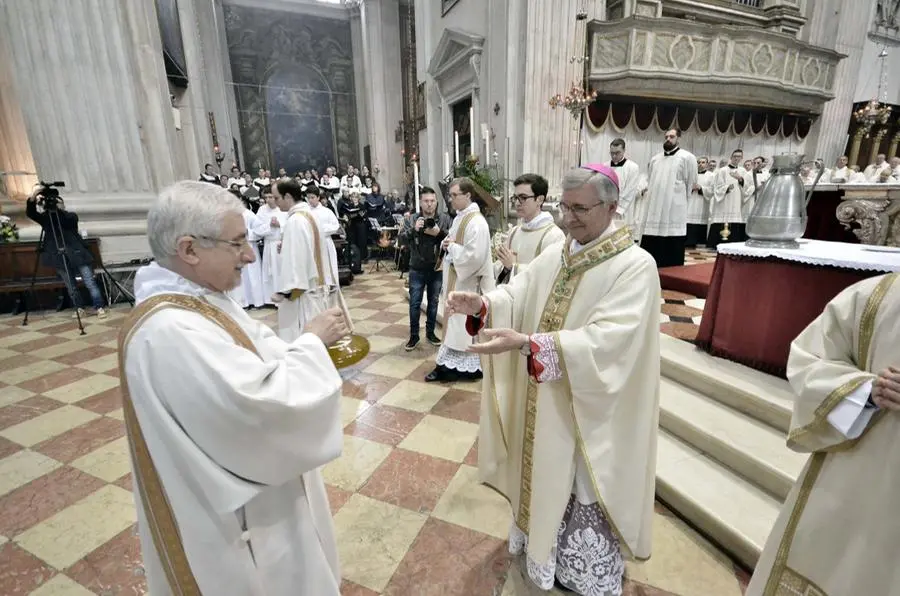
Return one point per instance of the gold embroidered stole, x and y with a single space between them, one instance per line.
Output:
784 581
317 246
158 512
461 234
553 317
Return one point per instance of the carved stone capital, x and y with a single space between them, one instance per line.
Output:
878 220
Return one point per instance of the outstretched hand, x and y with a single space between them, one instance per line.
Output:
499 341
463 303
886 389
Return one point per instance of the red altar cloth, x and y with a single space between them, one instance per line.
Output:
822 223
756 307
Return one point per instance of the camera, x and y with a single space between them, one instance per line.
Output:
429 223
48 193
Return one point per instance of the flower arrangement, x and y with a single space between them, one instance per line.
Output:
487 178
8 230
576 100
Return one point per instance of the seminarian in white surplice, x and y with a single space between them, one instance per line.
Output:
838 533
227 424
268 226
535 232
629 174
570 397
308 286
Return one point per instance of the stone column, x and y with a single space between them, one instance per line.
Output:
359 79
873 151
854 146
892 150
15 151
829 136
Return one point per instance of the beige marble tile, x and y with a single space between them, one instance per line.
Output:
22 467
101 365
359 314
397 367
355 303
402 308
3 540
4 353
441 437
10 395
61 586
83 388
382 288
367 327
117 414
108 463
42 322
473 386
76 531
351 408
357 462
53 423
114 344
373 537
380 344
676 549
32 371
414 395
20 338
61 349
472 505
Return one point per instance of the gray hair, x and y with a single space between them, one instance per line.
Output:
187 208
603 186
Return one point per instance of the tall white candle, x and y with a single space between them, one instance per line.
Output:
486 137
446 163
456 146
416 184
471 130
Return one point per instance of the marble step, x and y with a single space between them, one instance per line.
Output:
761 396
746 446
722 505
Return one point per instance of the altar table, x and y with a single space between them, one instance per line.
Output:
759 300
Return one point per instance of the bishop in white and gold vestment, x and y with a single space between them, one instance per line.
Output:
568 426
838 533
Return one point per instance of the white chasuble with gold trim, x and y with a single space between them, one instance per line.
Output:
527 242
601 306
838 534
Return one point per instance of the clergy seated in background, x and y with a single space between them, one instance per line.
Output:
874 170
856 176
308 287
672 174
841 172
570 397
535 232
698 205
838 533
629 175
727 203
227 424
467 266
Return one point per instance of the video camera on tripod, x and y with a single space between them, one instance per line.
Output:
47 194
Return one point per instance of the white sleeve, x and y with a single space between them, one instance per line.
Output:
851 416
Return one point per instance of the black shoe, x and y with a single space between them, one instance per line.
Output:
432 338
412 343
435 376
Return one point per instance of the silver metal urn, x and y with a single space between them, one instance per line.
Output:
778 218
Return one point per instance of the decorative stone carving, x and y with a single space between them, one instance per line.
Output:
456 62
886 24
878 218
698 62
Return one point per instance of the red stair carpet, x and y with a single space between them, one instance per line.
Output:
689 279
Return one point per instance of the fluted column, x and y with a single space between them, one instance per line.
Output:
359 80
829 136
895 141
873 151
15 151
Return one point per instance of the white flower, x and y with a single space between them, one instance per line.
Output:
4 219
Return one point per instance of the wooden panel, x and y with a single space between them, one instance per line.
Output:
17 260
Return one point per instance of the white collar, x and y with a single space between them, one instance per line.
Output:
301 206
613 227
155 279
540 220
473 208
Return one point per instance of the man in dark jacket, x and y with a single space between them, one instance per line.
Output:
57 252
424 232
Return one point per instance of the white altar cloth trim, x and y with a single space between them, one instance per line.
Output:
820 252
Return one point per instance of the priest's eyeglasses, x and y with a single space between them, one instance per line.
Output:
237 245
576 210
520 198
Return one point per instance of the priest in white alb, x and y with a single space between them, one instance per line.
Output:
307 288
570 397
838 534
672 174
251 291
269 223
467 266
328 226
535 232
698 205
227 424
727 203
629 177
841 172
874 170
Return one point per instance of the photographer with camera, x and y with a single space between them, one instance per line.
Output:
61 245
423 232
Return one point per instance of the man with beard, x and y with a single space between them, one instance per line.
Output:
672 175
698 205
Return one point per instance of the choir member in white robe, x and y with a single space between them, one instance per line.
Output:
841 172
467 266
227 424
672 174
570 397
536 231
269 223
753 186
328 226
698 205
305 289
837 533
251 291
874 170
727 203
209 176
629 175
262 180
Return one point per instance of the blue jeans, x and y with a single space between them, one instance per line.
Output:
419 283
87 275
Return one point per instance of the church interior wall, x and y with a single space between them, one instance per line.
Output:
870 73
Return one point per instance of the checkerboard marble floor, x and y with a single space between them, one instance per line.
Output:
410 516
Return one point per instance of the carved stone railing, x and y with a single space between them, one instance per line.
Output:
876 209
682 60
